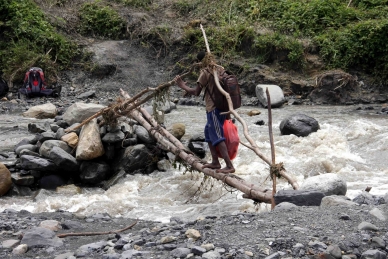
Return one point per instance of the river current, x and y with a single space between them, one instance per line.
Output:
350 143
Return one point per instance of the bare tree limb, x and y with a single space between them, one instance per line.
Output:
97 233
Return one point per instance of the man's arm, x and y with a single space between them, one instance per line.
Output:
192 91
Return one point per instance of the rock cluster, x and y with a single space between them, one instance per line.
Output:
92 155
335 232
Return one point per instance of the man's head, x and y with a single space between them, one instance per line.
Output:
200 56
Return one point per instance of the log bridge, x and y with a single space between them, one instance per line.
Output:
131 107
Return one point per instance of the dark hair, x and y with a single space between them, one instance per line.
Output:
201 55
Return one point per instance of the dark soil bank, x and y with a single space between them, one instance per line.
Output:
291 232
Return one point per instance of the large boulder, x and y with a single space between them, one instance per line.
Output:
94 172
80 111
43 111
90 144
275 93
5 179
299 124
133 158
329 184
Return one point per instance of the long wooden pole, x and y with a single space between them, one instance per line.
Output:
272 147
252 143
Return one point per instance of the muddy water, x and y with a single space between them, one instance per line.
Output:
350 143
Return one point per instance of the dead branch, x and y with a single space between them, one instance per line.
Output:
272 146
97 233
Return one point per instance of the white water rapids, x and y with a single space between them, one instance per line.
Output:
352 144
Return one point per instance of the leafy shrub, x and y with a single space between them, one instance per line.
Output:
99 20
268 45
361 45
136 3
28 39
185 6
369 3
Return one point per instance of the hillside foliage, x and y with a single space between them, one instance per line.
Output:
345 36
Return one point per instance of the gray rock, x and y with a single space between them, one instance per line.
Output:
374 254
285 206
94 172
46 147
367 226
275 92
367 198
133 158
329 184
299 124
180 252
143 135
64 160
113 137
379 214
38 237
28 162
334 200
299 197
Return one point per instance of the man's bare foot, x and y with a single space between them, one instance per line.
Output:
212 166
226 170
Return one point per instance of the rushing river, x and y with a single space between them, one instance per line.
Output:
350 143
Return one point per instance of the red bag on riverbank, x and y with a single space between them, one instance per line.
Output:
232 139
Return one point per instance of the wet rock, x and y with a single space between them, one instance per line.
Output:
299 197
23 180
143 135
50 182
133 158
36 163
299 124
199 148
94 172
65 161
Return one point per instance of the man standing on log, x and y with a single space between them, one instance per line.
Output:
214 132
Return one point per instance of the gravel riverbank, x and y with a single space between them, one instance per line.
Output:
287 232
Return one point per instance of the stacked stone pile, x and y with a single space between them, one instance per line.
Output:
91 155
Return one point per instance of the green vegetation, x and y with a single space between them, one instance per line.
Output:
96 19
29 39
262 30
347 37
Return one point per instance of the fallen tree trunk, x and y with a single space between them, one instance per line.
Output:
163 136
